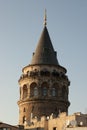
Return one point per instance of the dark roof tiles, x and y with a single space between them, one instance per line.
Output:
44 53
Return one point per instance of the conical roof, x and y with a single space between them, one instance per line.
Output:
44 53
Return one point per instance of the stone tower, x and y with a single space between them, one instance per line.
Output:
43 83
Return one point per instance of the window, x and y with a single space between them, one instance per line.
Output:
44 91
24 109
5 128
44 88
35 91
54 128
53 92
24 119
25 91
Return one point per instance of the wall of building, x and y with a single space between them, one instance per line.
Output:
61 122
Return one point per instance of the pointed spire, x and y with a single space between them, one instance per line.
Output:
44 53
45 18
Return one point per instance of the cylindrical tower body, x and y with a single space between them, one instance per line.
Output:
43 91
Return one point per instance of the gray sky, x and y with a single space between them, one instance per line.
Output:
21 23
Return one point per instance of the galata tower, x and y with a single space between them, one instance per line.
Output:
44 85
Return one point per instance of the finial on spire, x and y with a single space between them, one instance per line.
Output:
45 18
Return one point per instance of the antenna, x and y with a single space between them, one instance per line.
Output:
45 18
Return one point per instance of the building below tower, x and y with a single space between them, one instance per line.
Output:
77 121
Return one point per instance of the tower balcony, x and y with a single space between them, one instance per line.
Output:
44 73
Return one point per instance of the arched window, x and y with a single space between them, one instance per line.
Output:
25 91
44 91
24 110
24 119
53 92
44 88
35 91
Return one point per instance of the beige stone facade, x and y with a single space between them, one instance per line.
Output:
62 122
